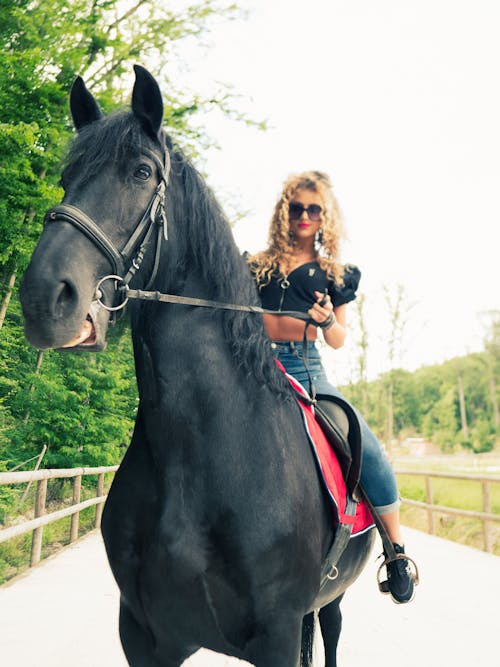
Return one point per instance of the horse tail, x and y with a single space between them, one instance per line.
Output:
306 651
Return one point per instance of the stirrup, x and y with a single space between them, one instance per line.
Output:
384 585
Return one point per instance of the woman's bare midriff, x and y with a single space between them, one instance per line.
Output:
287 328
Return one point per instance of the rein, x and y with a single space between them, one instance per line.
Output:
161 297
144 295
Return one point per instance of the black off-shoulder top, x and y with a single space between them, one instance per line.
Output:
296 291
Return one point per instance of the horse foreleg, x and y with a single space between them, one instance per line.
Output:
330 619
277 644
139 644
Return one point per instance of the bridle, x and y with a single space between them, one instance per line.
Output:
125 262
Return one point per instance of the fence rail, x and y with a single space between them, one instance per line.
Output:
486 516
41 518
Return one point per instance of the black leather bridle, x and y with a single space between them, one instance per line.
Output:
127 261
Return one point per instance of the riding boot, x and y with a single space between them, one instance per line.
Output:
399 577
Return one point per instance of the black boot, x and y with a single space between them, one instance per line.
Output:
399 577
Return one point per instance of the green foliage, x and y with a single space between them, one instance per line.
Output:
82 406
483 436
426 403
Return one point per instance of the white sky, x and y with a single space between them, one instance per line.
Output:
399 101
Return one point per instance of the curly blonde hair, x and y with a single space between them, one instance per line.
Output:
281 244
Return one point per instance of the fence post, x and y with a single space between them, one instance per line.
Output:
36 540
75 518
430 501
99 508
488 546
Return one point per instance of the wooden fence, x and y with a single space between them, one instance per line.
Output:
486 516
41 518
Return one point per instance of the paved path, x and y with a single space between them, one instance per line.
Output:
64 613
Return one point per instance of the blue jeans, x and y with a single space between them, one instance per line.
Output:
377 476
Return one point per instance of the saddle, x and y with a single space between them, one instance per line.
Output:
334 433
340 424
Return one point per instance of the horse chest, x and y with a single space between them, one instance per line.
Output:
188 589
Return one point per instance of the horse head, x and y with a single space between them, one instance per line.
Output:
111 215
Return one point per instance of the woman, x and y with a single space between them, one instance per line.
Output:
299 271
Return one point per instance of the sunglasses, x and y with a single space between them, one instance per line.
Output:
295 211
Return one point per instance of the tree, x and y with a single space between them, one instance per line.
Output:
492 353
461 403
398 309
362 356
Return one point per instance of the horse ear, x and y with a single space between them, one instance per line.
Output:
84 108
147 104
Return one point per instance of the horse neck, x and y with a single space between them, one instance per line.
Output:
186 378
179 343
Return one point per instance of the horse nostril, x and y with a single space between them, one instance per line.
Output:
65 297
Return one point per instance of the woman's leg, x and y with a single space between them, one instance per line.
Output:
377 477
379 483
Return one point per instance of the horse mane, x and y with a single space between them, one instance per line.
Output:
209 246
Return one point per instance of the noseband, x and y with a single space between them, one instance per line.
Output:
127 261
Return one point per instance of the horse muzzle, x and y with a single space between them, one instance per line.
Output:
59 314
92 335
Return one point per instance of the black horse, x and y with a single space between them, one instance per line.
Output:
217 524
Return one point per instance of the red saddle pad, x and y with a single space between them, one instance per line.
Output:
329 466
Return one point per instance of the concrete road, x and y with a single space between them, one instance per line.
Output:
64 613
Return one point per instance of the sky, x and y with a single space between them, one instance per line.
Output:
399 102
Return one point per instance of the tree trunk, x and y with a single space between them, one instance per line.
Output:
461 400
363 353
493 390
7 297
364 399
390 416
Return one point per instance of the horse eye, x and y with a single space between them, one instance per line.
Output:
143 172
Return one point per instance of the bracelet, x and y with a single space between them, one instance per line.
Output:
328 323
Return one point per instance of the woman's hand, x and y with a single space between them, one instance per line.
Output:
331 320
322 311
